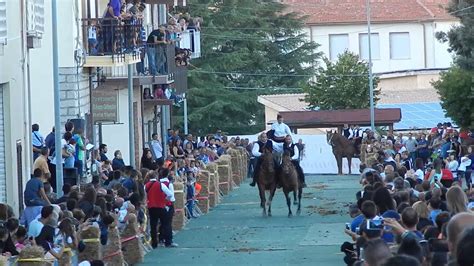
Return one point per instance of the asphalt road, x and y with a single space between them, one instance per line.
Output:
235 233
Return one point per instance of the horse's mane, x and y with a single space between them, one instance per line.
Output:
340 139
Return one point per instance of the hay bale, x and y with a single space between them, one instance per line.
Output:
132 249
178 185
204 179
66 258
90 236
213 190
32 252
224 178
179 219
113 249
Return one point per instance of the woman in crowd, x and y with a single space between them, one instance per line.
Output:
147 160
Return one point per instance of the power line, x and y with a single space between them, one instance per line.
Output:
271 74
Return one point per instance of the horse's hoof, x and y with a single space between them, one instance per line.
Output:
290 215
298 212
269 214
295 203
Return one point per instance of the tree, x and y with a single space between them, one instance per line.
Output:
341 85
461 37
455 85
249 48
456 91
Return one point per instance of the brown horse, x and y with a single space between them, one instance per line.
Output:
266 181
341 148
288 177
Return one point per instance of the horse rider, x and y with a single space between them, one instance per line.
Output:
279 131
357 137
289 146
348 131
257 151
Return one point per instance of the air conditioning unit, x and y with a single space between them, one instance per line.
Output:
35 22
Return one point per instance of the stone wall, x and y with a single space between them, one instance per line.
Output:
75 92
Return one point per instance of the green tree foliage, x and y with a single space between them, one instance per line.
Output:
455 85
249 48
343 84
461 37
456 91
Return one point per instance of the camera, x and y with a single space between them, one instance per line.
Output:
348 226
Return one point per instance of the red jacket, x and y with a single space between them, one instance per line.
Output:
156 198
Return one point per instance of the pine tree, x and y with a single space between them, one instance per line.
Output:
341 85
249 48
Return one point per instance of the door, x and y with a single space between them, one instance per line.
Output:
3 181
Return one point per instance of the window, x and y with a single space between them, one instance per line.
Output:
400 45
364 46
338 44
3 22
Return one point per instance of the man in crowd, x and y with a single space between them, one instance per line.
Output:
156 149
156 51
102 152
34 194
37 141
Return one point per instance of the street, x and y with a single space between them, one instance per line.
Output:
235 233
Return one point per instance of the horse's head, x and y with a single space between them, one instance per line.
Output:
329 137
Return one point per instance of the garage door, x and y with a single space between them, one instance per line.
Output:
3 181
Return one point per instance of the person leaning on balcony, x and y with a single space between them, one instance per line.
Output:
156 43
112 12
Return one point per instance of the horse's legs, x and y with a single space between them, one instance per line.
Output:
349 163
261 190
288 202
339 164
300 192
270 198
295 202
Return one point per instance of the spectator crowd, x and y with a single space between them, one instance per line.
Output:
120 198
416 202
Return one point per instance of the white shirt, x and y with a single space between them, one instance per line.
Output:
255 150
297 153
453 167
37 139
169 191
157 149
53 157
465 162
281 130
419 174
35 227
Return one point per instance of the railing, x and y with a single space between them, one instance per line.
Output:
190 39
109 36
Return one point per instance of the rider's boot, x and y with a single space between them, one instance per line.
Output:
254 181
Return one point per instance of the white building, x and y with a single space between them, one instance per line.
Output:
403 32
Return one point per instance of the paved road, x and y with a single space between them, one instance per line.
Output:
235 233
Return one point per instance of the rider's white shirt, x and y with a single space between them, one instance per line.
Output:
281 130
297 153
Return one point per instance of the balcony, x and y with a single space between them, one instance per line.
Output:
167 2
191 39
111 42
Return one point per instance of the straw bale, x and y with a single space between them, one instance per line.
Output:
178 186
224 178
179 220
113 249
203 203
65 259
132 249
92 250
180 199
204 179
32 252
213 190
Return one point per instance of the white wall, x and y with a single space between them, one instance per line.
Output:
16 127
41 76
319 158
320 34
442 57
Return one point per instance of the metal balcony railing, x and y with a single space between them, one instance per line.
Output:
109 36
190 39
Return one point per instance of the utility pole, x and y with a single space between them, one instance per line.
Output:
57 102
371 77
185 110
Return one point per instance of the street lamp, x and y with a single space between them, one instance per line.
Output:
371 78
